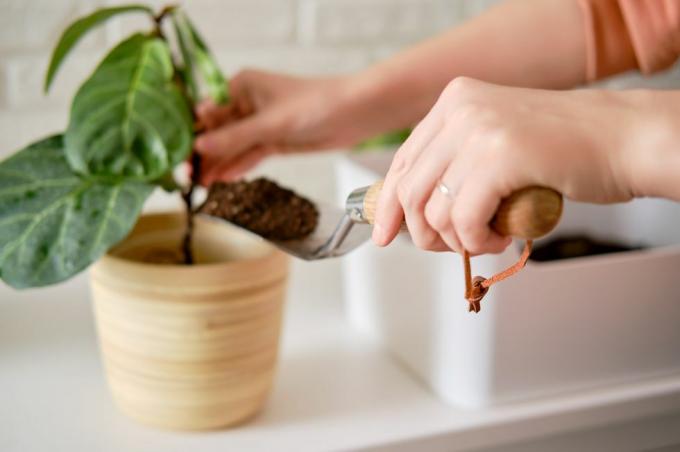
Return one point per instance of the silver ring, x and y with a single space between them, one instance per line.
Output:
444 189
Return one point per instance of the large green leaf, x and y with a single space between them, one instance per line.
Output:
54 223
198 59
129 118
186 47
78 29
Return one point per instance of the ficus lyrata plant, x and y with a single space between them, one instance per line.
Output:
66 199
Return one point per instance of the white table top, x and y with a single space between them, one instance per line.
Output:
334 389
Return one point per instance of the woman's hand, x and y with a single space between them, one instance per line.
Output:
272 113
485 141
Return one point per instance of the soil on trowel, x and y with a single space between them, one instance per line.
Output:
569 247
263 207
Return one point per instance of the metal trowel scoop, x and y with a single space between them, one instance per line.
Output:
528 213
338 231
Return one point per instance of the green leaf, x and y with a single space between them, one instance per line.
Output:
198 59
168 183
78 29
212 77
186 47
129 118
389 139
53 223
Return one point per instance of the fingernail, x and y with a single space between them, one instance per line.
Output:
200 143
378 235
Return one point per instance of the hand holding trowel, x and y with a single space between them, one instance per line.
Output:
526 214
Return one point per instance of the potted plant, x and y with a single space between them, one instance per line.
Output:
184 346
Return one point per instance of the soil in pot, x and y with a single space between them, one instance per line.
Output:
163 256
263 207
569 247
162 245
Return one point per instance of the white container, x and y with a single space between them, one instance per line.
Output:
557 326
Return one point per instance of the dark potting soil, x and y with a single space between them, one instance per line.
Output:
163 256
568 247
262 207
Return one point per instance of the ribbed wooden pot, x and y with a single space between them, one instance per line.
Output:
190 347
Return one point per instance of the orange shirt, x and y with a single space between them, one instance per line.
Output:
630 34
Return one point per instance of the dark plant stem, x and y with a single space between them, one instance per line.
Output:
187 196
158 19
188 192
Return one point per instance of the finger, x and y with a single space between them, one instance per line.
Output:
418 184
211 167
476 203
242 88
438 215
211 115
389 213
236 168
204 107
232 139
422 234
208 166
245 162
438 246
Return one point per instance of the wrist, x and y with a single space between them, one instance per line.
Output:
389 97
362 107
654 147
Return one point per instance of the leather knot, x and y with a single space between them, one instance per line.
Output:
477 292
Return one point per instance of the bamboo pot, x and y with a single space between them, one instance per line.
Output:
190 347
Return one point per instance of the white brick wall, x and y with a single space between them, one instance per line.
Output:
361 22
34 25
299 36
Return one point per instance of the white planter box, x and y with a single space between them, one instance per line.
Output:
558 326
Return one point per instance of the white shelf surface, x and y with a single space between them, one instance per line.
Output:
334 390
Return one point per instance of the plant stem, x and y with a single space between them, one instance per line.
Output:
164 12
187 196
188 192
158 19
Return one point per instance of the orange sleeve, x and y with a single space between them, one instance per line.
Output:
630 34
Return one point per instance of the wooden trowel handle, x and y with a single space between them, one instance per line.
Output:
528 213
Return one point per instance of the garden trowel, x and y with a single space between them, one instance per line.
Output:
528 213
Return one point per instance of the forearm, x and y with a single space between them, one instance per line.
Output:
537 43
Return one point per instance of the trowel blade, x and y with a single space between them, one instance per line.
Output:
334 236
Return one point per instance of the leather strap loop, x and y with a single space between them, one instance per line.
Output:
477 287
